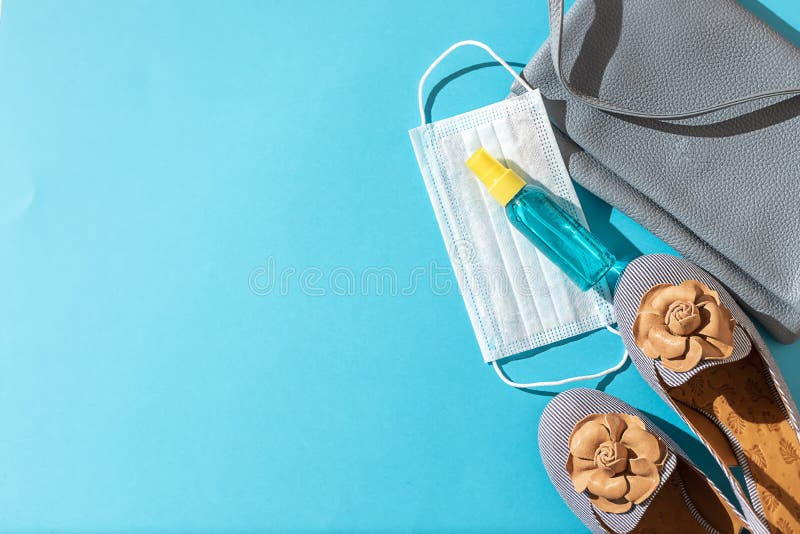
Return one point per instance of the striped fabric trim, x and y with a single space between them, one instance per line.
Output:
647 271
694 511
555 427
741 348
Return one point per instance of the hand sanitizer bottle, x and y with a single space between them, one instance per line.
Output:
535 212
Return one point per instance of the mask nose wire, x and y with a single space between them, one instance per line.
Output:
446 53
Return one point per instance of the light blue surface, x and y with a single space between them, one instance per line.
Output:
153 157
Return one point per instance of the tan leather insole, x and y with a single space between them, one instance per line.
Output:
668 512
741 401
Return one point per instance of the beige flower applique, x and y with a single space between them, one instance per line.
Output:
683 325
615 460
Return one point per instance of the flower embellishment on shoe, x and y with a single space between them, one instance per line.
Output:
615 460
683 325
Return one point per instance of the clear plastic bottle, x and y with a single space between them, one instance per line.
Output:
537 215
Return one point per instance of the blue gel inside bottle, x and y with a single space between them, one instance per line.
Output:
535 212
565 241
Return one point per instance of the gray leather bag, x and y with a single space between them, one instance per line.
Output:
683 115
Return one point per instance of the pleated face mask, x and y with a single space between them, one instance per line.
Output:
517 299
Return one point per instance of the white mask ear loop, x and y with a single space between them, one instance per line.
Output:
447 53
511 383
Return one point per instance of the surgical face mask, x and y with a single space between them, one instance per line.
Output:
517 299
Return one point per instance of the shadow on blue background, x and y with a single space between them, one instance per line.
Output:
153 157
763 12
441 84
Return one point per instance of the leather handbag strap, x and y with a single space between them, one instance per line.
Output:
556 32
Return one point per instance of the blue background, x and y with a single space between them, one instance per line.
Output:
154 158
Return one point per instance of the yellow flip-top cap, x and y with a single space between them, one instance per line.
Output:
501 182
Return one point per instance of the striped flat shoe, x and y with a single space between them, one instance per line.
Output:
701 353
620 473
